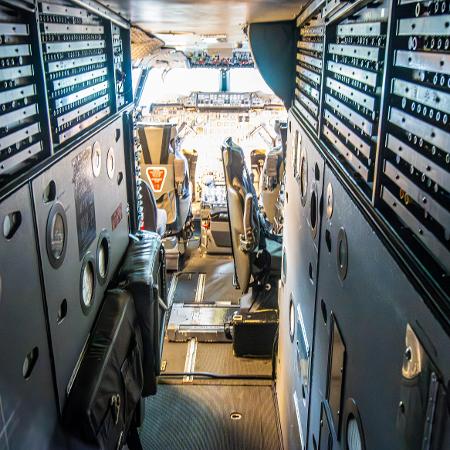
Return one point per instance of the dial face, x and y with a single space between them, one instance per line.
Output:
354 441
102 260
110 163
87 284
96 159
291 320
57 236
303 175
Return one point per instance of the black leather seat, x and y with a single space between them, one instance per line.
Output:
155 219
256 250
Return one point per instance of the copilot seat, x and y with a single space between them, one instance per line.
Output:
270 182
166 169
256 251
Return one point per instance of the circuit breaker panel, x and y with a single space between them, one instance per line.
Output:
65 69
21 128
371 101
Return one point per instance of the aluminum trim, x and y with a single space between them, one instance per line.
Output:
424 26
80 95
346 153
62 47
12 73
14 50
308 74
14 29
19 135
82 110
364 76
305 114
358 97
312 46
355 51
422 233
359 29
431 62
59 10
348 134
74 63
431 134
71 132
76 79
56 28
15 160
416 159
315 62
423 199
17 94
417 93
352 116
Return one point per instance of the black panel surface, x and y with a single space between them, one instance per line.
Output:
111 221
373 305
28 412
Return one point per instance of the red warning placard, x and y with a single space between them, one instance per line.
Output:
156 176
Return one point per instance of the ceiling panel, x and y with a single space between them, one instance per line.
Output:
204 16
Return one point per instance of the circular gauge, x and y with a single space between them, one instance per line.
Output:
110 163
96 159
354 441
56 235
314 210
330 200
303 174
87 285
103 254
353 430
291 320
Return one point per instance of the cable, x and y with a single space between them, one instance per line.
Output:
215 375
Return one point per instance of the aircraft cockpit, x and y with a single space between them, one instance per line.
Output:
224 225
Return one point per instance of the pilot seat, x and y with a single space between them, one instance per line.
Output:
166 170
256 252
271 182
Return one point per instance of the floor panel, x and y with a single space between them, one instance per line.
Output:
183 417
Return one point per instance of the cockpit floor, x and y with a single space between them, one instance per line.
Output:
198 413
211 417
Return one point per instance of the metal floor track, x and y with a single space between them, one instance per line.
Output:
207 417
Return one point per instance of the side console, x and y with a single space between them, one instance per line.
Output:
68 201
364 295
